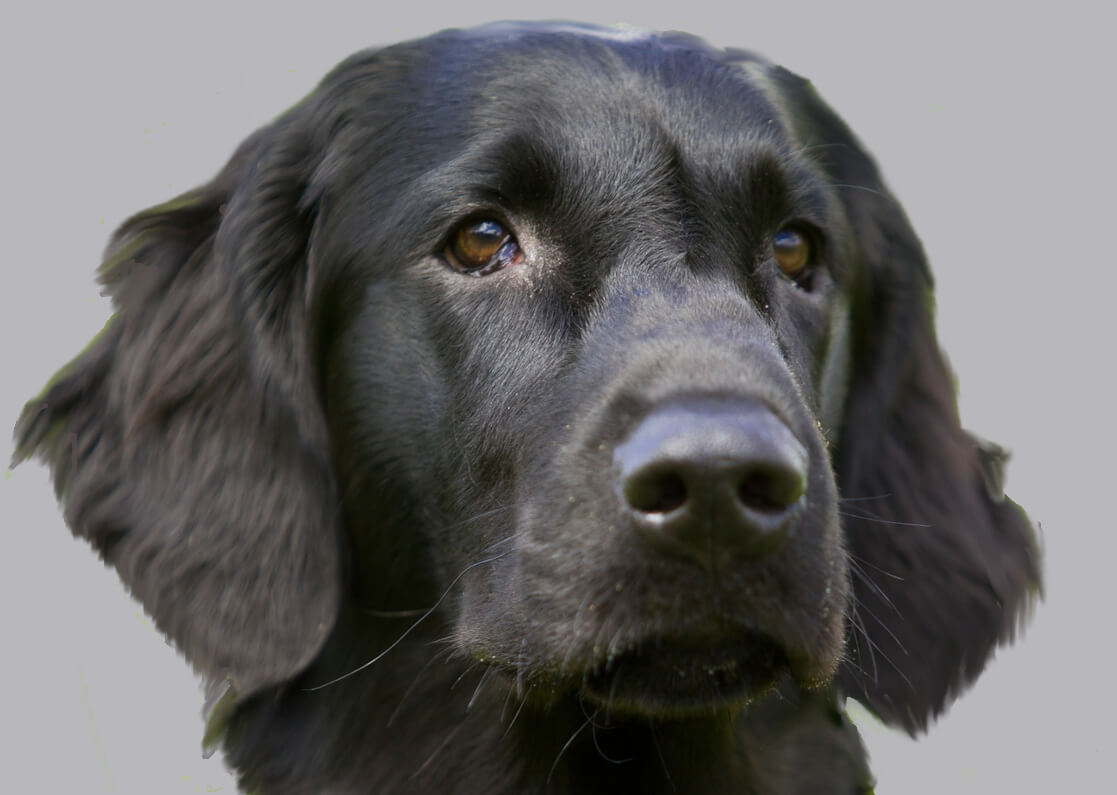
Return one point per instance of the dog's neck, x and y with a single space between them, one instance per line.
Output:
376 731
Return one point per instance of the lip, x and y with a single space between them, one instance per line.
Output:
678 678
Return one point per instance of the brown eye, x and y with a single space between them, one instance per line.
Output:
792 251
482 247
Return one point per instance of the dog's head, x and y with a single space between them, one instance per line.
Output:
615 347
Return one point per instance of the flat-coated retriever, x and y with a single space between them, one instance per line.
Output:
541 409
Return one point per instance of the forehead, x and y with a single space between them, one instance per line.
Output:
591 106
581 83
599 125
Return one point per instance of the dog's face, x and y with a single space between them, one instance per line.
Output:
577 337
609 301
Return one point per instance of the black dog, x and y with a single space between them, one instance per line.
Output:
481 427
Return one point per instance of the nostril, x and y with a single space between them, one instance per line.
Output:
655 492
725 472
771 490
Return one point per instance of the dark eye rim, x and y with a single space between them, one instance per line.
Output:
806 277
501 259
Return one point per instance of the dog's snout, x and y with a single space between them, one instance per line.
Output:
726 473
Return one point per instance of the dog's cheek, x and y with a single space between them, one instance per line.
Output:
386 400
811 333
815 624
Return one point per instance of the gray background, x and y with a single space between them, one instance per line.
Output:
994 126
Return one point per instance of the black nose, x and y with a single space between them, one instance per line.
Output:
720 472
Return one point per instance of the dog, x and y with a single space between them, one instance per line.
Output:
541 408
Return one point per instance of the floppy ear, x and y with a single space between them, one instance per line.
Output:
187 442
944 565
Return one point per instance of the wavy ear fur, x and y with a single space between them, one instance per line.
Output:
187 442
945 566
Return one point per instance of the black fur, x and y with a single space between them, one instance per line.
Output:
378 502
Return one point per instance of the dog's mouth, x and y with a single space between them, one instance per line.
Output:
679 678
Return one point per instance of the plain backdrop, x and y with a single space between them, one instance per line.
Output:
995 127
